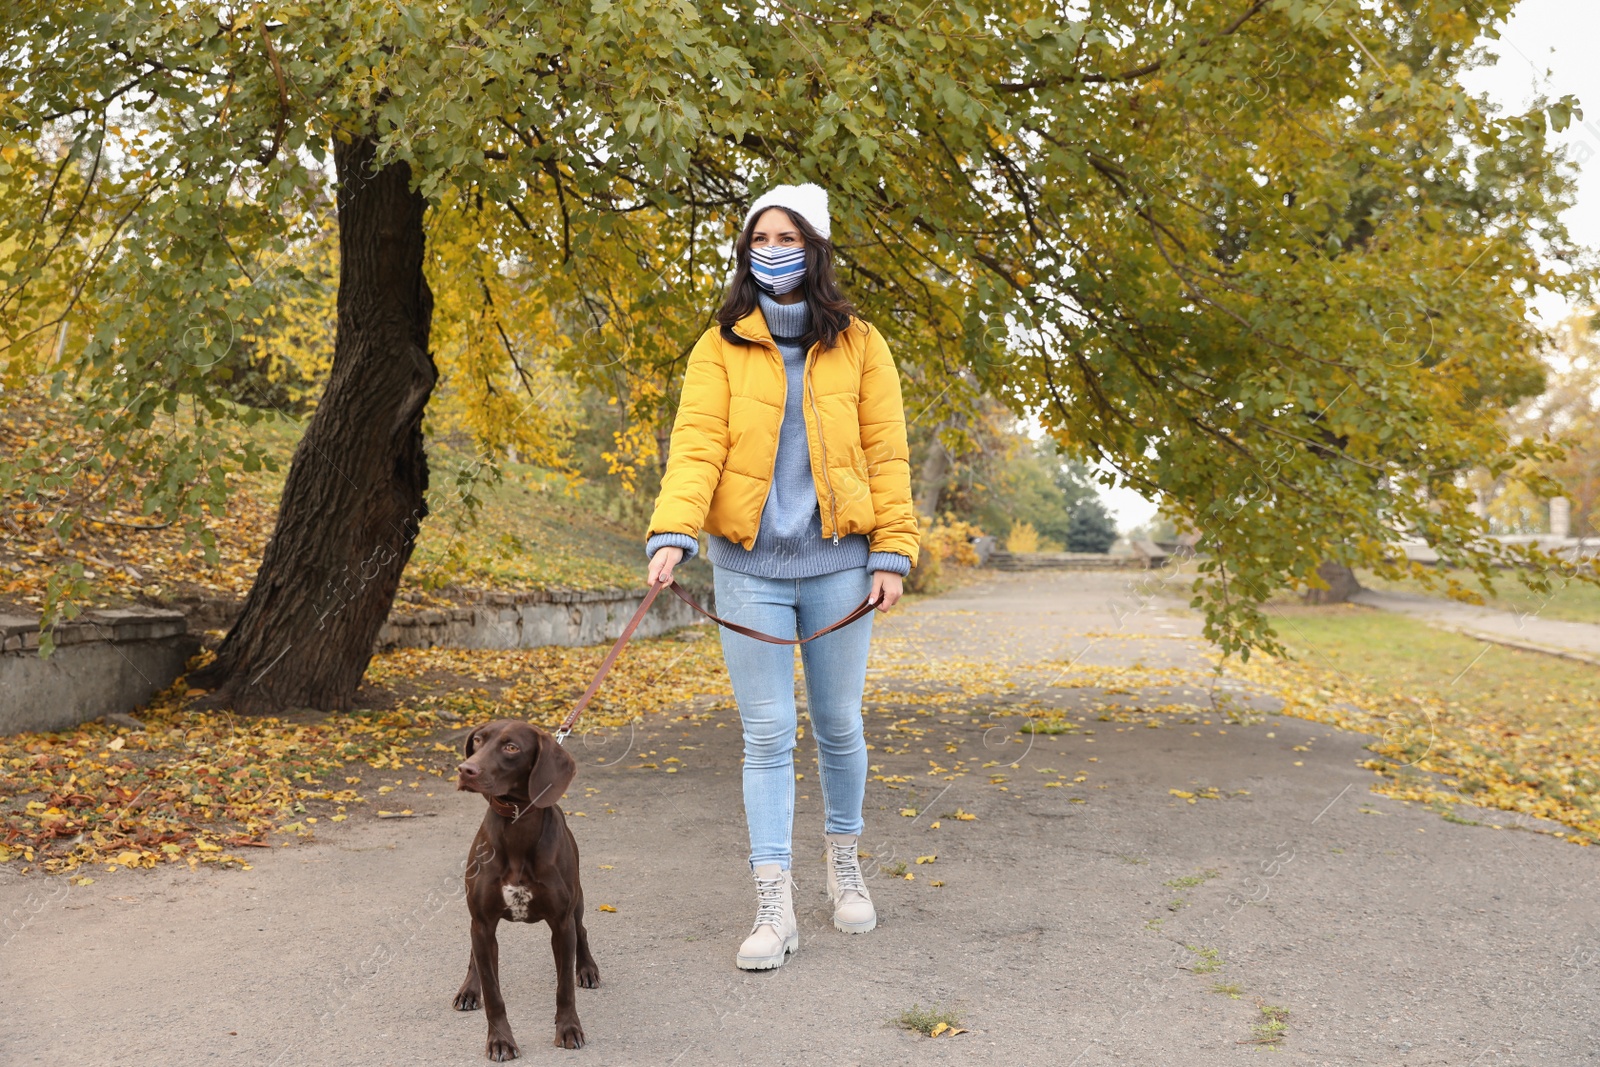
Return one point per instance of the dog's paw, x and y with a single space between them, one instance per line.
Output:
588 974
569 1034
467 1000
500 1049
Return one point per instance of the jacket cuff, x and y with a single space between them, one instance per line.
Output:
893 562
690 545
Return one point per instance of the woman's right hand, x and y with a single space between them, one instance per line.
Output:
661 564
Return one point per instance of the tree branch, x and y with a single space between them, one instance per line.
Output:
1128 75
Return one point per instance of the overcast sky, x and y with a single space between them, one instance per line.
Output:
1548 46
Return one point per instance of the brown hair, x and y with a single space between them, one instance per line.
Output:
830 311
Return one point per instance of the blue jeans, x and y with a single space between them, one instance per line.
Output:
763 685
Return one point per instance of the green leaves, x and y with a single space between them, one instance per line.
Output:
1563 112
1269 263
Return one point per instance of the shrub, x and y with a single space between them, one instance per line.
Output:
1022 538
927 576
951 541
945 542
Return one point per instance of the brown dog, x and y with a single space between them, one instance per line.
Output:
523 867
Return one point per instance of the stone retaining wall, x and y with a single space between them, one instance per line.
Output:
107 662
104 661
532 620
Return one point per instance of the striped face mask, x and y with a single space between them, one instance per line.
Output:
777 269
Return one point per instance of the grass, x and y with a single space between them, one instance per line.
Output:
1048 727
534 529
1190 881
929 1022
1391 653
1569 599
1228 989
1500 727
1272 1029
1210 960
529 533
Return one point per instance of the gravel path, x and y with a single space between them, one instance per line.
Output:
1095 922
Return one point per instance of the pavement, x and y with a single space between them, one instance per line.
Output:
1102 921
1518 629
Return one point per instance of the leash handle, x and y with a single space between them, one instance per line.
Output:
565 729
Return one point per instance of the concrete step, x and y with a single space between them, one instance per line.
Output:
1002 560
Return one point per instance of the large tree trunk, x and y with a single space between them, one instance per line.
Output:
933 477
1342 584
353 501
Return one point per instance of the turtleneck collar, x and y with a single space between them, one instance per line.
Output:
786 322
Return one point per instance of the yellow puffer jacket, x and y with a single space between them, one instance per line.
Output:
725 439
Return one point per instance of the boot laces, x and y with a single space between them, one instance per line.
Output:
769 902
846 869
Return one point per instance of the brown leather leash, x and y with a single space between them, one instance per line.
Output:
571 720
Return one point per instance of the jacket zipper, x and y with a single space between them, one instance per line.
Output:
773 473
833 505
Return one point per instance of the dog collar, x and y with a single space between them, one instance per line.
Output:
505 809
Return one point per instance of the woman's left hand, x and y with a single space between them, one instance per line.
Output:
886 589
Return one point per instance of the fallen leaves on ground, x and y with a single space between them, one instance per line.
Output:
205 787
542 684
1430 749
191 787
1479 758
126 557
533 530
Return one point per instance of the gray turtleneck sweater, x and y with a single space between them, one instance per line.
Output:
789 543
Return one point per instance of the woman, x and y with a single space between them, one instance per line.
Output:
789 450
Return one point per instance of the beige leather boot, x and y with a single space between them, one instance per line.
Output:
775 933
852 904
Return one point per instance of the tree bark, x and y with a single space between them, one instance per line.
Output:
353 501
1342 584
933 477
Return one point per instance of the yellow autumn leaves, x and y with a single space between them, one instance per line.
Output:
200 787
1443 753
530 532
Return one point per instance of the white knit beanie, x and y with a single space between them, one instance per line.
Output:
809 201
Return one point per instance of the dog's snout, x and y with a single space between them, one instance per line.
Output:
466 770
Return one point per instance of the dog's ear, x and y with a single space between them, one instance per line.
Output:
471 742
553 770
